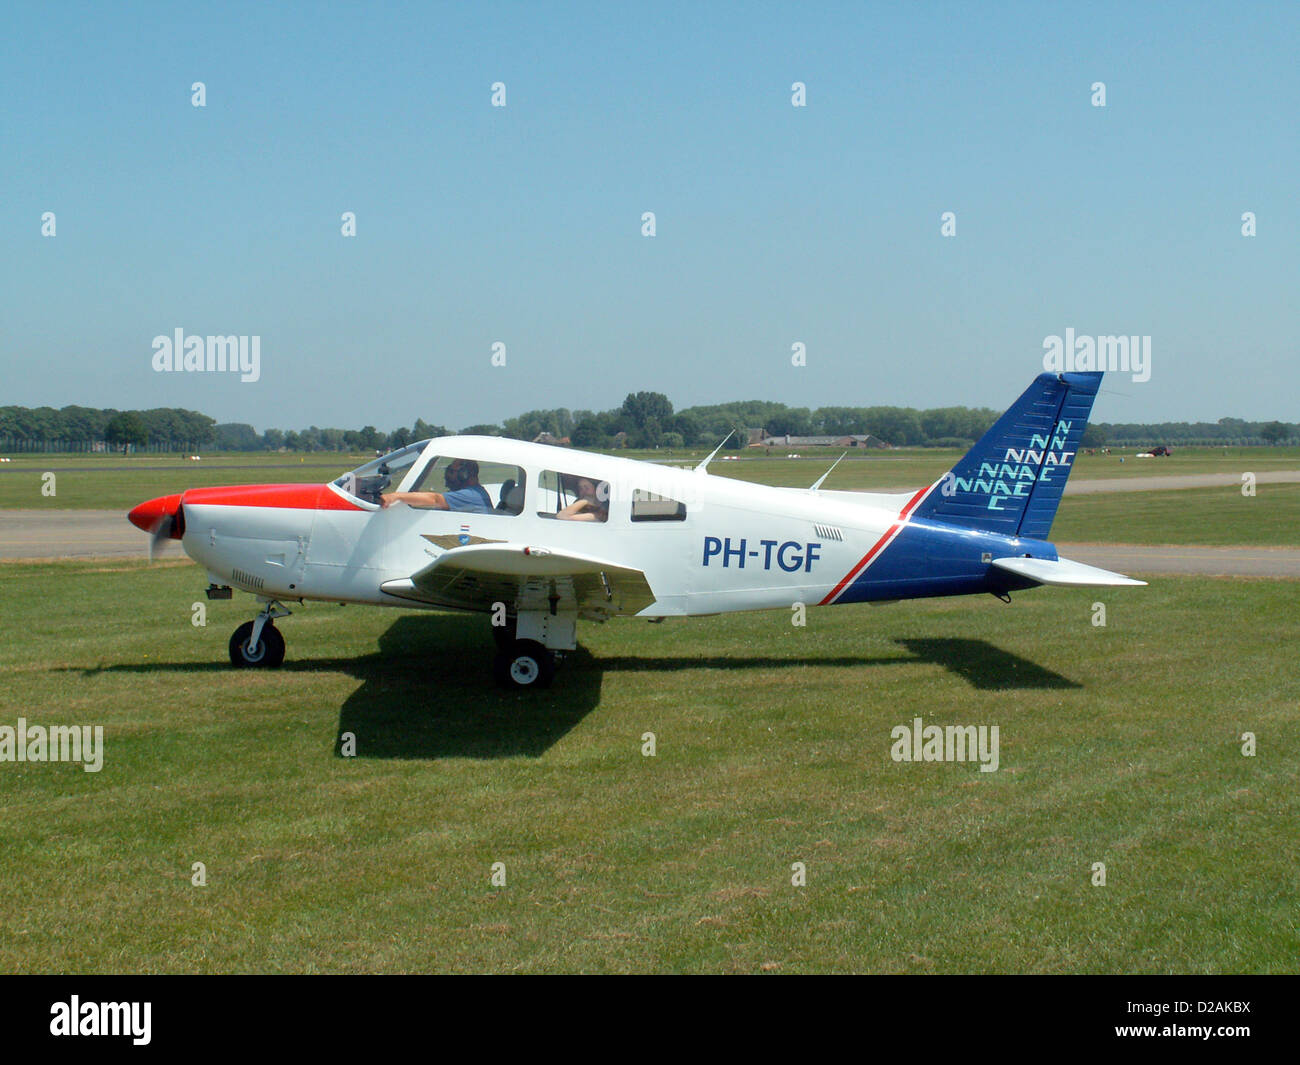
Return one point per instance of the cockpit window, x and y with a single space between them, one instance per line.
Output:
459 483
380 475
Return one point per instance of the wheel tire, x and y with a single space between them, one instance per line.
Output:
504 635
268 654
525 665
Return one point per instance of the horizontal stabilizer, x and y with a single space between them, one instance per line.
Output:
1063 572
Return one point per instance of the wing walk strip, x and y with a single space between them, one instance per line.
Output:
880 545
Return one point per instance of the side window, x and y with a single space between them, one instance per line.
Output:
646 506
471 485
572 497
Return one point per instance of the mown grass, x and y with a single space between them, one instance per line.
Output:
1187 516
111 482
1118 745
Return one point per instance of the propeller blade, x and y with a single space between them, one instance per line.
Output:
161 518
161 534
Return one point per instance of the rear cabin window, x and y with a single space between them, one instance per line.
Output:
646 506
572 497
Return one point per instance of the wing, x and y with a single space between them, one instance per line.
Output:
1062 571
526 578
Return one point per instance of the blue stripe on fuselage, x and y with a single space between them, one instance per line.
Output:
929 558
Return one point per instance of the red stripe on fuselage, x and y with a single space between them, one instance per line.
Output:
912 503
878 546
286 496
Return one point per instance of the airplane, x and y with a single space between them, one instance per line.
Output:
541 536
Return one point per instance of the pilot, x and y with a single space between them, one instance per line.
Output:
463 491
592 503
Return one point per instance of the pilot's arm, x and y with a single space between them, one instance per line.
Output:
416 499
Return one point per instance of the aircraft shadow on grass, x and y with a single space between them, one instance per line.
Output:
428 693
977 661
984 666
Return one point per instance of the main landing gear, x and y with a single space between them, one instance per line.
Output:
525 664
526 647
258 644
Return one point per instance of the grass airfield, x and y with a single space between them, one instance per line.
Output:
115 482
1119 744
1185 516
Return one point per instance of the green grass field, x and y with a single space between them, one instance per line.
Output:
1118 745
115 483
1223 516
103 482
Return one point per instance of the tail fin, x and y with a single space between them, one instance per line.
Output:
1011 481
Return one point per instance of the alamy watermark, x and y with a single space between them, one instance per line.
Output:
79 1018
919 742
1114 354
58 743
214 354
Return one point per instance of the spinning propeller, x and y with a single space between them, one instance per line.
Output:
162 518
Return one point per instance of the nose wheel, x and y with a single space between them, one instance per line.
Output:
258 644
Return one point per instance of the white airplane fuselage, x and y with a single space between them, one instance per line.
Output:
740 546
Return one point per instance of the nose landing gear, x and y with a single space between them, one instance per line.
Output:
258 644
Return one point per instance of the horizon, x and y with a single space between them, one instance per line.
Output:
460 431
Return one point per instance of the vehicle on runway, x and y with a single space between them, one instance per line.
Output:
540 537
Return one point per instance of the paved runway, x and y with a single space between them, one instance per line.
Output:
1162 483
1206 561
70 534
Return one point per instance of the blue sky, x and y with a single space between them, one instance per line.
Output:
522 224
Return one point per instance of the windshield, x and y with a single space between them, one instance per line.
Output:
381 474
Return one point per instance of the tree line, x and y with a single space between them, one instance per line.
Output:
645 420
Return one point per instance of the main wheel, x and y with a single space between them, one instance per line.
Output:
268 653
525 664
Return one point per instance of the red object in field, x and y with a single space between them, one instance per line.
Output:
149 516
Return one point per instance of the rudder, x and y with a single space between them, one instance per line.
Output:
1011 481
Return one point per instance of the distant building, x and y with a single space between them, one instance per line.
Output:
547 438
849 440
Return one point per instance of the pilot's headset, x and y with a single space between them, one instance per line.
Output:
458 476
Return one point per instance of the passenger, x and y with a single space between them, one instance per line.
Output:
592 503
463 491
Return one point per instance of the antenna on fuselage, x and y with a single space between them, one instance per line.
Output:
703 466
818 483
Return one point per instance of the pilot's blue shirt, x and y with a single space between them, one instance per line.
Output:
473 499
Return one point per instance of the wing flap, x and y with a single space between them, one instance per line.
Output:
526 578
1063 572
